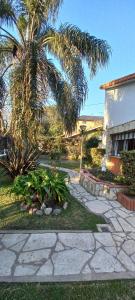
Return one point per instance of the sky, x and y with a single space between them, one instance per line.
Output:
114 21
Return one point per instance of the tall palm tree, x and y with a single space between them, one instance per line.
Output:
34 77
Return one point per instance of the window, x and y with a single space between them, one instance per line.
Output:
124 141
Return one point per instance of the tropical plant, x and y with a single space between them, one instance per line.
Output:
42 186
19 160
33 76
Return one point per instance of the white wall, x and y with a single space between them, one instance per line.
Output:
119 105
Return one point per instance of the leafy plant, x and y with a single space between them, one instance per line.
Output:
19 161
128 169
42 186
97 155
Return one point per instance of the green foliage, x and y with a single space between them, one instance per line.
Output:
107 176
19 161
97 155
73 150
128 169
92 142
42 185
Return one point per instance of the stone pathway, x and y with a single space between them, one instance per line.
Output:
66 256
72 256
120 219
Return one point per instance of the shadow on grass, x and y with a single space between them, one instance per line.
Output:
75 217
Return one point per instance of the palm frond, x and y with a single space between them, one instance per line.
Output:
95 51
7 12
58 45
63 94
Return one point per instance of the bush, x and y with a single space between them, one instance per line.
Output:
128 169
97 155
73 149
40 186
19 161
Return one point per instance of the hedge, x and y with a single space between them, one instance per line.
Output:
128 169
97 155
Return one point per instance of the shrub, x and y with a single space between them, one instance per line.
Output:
42 186
128 169
19 161
73 150
97 155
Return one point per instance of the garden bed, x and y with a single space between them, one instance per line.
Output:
127 201
98 187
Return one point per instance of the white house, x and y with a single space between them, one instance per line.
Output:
119 116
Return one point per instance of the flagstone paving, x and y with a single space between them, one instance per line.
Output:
120 219
52 256
74 255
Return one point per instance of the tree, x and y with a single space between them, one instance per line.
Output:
33 75
53 125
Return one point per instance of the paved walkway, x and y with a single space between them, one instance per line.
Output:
72 256
66 256
120 219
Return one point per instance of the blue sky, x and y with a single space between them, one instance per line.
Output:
114 21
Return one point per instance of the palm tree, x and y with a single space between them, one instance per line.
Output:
34 77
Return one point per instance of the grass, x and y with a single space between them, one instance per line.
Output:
69 164
75 217
111 290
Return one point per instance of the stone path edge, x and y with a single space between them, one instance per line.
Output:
19 231
70 278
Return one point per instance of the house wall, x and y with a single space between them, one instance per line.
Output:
89 124
114 165
119 105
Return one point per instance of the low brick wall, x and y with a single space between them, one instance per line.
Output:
99 188
126 201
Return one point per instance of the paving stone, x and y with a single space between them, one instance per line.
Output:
120 213
18 246
34 256
86 270
116 224
103 262
115 204
46 269
69 262
59 247
126 261
111 250
12 239
131 220
97 207
25 270
82 241
126 226
132 235
98 245
104 238
39 241
7 259
129 247
110 214
119 238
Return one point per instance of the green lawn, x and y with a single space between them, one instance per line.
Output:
114 290
69 164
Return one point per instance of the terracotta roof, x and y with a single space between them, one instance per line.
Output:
119 81
90 118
